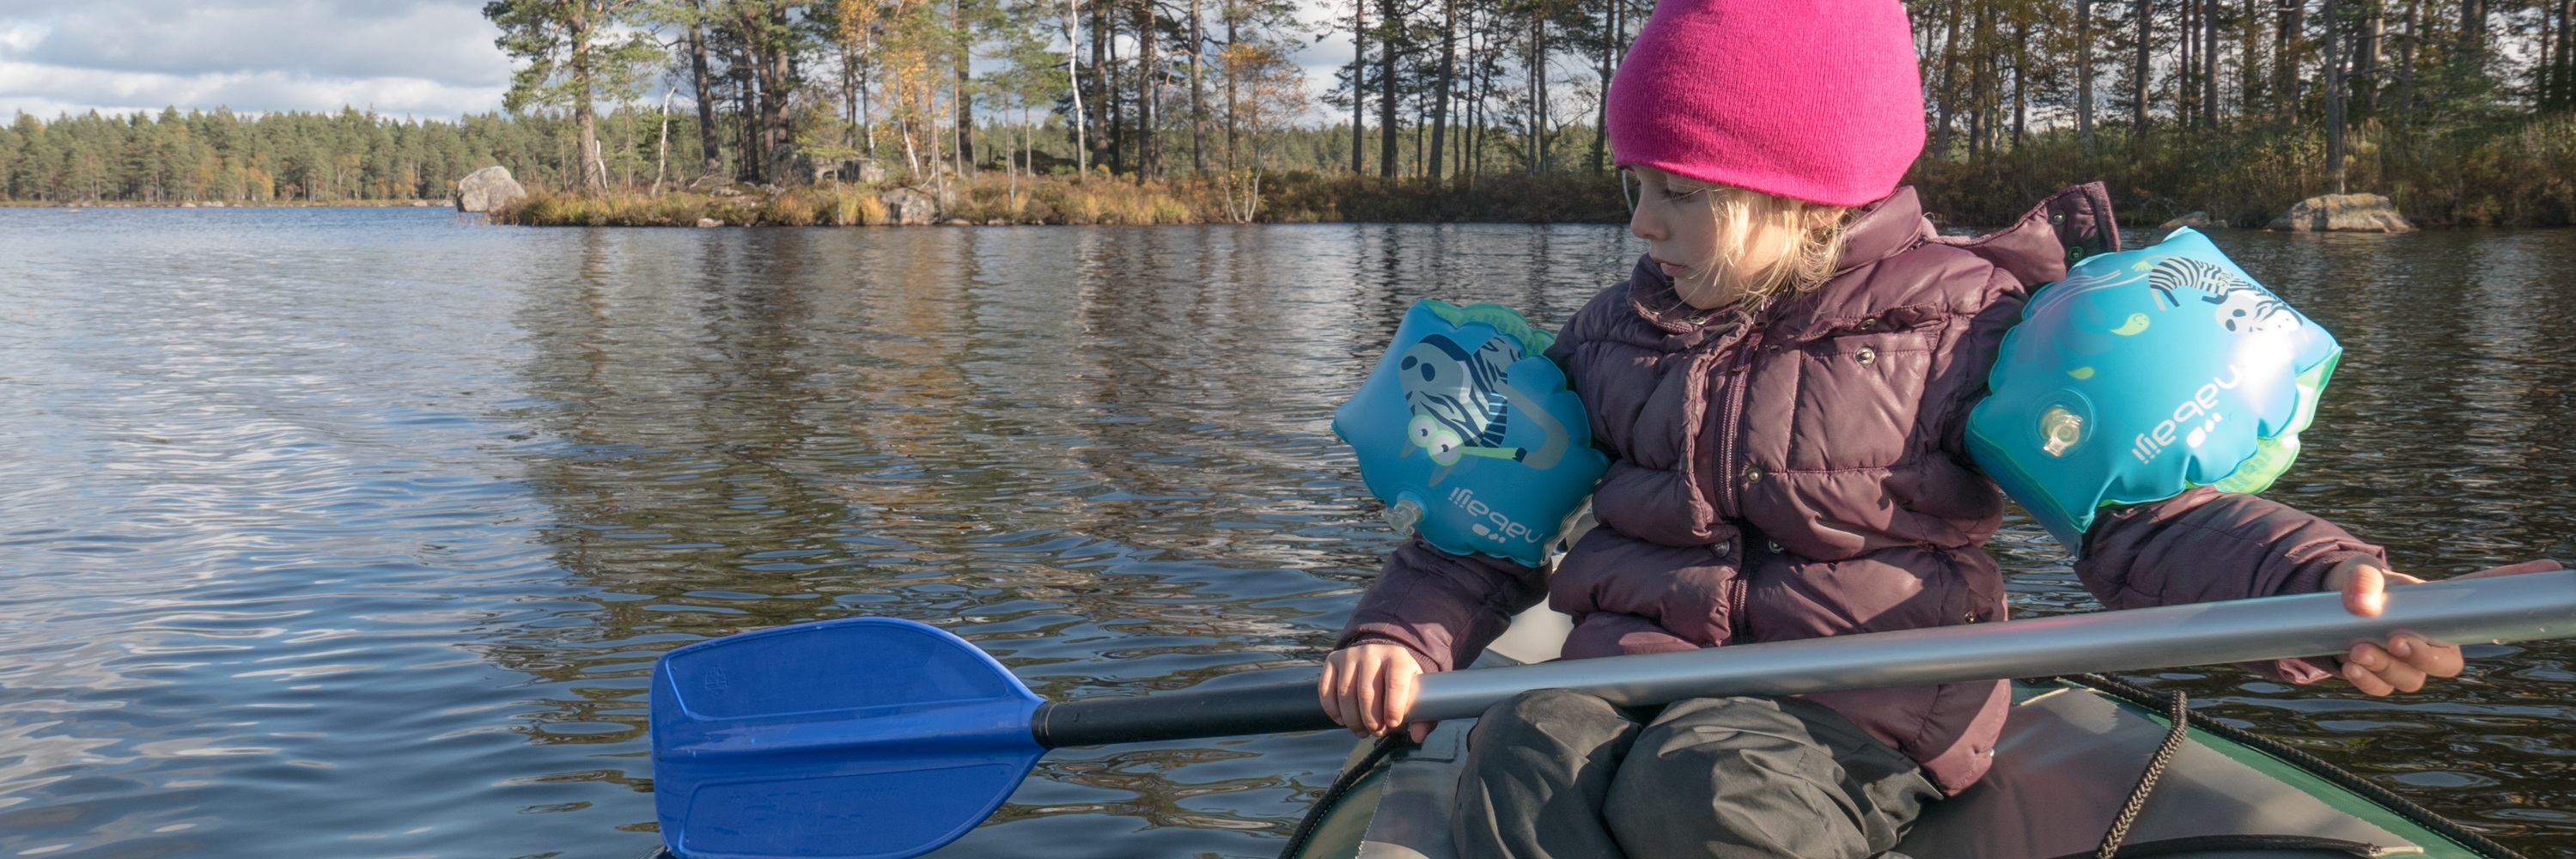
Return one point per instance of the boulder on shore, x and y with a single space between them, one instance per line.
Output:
2195 220
2348 213
860 169
910 208
482 190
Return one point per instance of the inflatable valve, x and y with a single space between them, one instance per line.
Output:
2059 429
2143 374
1469 435
1403 516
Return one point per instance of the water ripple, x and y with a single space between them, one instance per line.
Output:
355 533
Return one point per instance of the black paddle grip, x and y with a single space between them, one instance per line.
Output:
1179 716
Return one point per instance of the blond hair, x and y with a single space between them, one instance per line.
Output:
1807 239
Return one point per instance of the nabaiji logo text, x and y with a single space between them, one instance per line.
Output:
1501 528
2203 405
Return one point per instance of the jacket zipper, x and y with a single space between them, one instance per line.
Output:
1729 471
1736 591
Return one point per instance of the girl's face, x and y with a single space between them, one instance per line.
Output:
1711 261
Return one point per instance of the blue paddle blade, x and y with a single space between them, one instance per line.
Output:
866 738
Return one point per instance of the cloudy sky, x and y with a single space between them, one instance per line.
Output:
421 57
426 58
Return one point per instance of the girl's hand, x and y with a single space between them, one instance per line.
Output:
2408 659
1368 687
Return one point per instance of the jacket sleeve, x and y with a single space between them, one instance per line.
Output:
1443 607
2205 545
1975 352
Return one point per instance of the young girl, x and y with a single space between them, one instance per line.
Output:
1782 384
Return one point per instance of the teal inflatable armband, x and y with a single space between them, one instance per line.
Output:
2143 374
1469 435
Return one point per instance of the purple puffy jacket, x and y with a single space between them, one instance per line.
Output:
1800 472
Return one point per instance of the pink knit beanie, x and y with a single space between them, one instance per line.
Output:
1816 100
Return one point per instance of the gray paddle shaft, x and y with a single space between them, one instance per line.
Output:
2477 611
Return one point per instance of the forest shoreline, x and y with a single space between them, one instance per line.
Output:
991 198
1976 194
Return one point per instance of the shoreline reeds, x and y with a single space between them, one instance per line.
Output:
992 199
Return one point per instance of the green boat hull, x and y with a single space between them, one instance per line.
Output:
2069 757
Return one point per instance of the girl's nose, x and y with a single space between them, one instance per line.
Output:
1643 224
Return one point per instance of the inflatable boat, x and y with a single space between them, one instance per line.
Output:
919 736
2073 752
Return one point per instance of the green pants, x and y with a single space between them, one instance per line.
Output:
1557 774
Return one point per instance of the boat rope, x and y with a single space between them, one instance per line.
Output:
2181 716
1350 778
2238 843
2286 753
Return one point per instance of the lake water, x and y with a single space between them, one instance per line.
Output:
354 533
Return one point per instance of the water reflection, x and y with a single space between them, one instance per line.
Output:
1105 455
2443 438
292 576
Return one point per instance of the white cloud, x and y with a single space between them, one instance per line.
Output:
431 58
47 90
1322 59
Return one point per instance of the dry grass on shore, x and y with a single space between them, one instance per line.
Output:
982 202
994 199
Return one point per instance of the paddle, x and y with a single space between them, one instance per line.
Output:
875 737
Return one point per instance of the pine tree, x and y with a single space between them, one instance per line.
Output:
568 64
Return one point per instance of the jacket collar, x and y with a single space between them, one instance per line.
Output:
1883 229
2033 250
1878 230
1651 295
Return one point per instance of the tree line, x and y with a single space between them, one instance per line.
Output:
783 92
1446 88
219 155
2212 66
640 94
2463 110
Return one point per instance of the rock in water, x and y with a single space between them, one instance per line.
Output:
907 207
2353 213
482 190
2196 220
